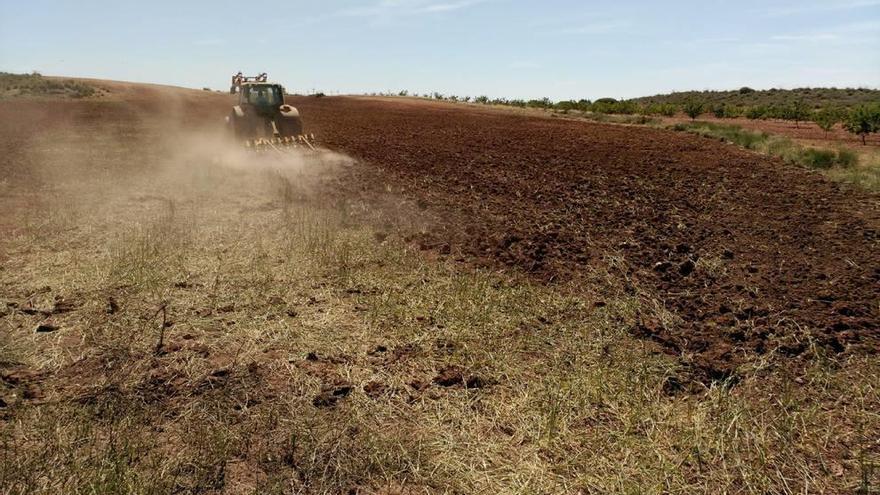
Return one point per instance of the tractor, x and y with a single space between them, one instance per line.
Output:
261 119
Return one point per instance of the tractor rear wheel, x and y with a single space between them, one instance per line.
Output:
243 128
290 126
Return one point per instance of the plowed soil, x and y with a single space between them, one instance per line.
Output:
747 254
750 255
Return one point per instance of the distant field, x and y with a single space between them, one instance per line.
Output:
746 97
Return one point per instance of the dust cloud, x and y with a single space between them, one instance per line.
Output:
87 171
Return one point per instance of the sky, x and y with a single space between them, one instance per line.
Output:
559 49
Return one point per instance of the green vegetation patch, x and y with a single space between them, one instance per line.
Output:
16 85
840 164
747 97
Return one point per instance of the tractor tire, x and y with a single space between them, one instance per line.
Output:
290 126
243 128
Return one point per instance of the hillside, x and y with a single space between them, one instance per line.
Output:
815 97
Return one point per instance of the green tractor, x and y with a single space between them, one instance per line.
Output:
261 119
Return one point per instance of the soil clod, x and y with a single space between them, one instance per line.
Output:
46 328
451 376
662 266
331 394
375 389
686 268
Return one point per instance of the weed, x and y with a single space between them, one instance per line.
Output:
847 158
818 158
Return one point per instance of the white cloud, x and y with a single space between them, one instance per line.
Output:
446 7
871 27
825 6
399 8
598 27
805 37
849 34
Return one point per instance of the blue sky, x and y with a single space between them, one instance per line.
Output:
514 48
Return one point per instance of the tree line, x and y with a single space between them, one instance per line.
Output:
861 120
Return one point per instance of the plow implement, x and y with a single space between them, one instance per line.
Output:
280 144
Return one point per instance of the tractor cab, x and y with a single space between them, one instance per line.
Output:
257 92
261 95
264 98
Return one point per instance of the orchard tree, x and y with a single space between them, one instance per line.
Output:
693 108
668 109
732 111
827 118
798 111
863 120
756 112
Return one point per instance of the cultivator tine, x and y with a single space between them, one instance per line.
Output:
306 141
280 143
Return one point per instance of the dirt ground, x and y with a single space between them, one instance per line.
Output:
747 253
447 298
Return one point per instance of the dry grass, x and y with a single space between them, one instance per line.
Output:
866 174
845 164
221 329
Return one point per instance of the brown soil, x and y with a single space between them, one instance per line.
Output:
751 254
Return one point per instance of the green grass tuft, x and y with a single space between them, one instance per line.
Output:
818 158
847 158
